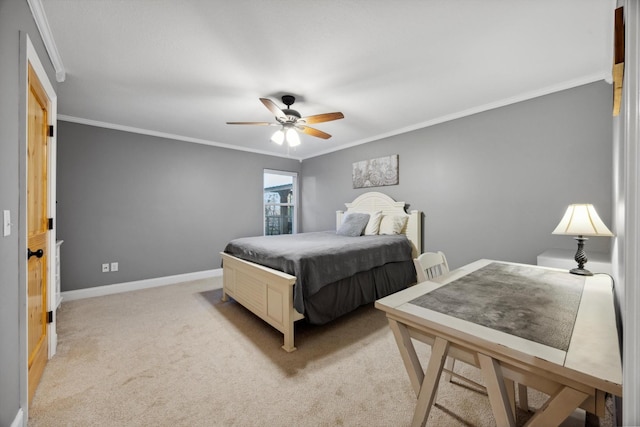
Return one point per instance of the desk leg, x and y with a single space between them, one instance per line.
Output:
431 380
424 384
523 397
510 386
408 354
449 366
497 391
558 407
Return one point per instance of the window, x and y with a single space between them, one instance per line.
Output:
280 194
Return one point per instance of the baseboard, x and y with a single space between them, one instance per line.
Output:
18 421
138 284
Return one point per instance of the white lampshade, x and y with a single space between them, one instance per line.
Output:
292 137
278 137
582 220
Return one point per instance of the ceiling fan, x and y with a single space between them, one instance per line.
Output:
291 122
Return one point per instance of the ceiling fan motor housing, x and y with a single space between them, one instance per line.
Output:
292 115
288 100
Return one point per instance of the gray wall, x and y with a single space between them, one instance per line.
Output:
158 207
15 18
492 185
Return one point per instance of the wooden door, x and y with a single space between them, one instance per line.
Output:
37 229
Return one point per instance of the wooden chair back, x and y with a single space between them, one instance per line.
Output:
430 265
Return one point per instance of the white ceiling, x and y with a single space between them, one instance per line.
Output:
183 68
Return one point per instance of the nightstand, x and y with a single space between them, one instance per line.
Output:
598 262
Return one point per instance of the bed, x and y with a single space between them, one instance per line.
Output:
257 277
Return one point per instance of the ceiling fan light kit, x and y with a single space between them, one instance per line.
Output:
278 137
292 122
292 137
287 133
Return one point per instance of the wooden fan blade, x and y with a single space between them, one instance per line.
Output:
273 108
326 117
253 123
314 132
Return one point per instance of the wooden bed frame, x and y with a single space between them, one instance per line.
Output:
268 293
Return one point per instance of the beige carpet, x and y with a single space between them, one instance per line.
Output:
178 356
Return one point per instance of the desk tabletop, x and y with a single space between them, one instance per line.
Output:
593 350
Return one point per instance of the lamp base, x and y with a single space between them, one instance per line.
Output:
581 272
581 258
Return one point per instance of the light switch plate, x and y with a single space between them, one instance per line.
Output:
6 223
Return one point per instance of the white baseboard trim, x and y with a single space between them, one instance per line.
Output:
18 421
138 284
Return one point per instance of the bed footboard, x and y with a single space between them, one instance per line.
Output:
265 292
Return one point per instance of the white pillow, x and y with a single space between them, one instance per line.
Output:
373 226
393 224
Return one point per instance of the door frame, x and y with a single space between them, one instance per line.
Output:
631 205
29 55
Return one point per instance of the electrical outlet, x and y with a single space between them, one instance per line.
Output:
105 268
114 266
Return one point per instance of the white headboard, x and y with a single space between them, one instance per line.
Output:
375 201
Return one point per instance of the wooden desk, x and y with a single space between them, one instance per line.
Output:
576 377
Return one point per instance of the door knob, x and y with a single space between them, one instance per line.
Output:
37 254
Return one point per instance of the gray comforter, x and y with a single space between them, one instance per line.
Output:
320 258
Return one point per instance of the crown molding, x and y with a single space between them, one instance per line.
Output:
445 118
37 10
475 110
166 135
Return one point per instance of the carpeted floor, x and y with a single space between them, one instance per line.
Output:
178 356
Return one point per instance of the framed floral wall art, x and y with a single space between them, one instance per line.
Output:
375 172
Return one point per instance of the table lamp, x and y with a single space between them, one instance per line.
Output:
581 220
